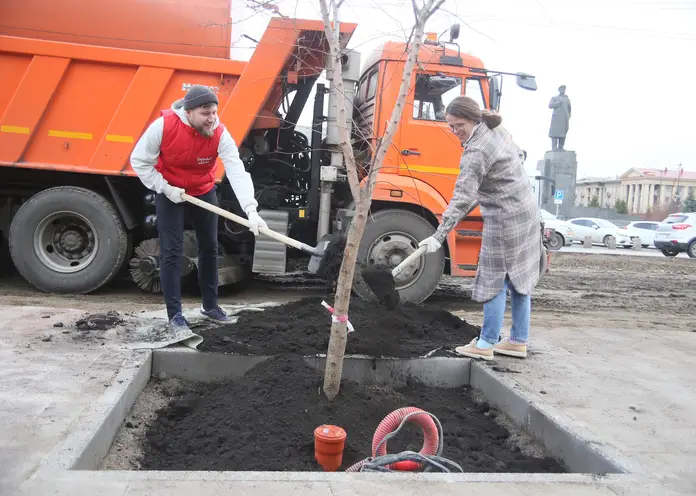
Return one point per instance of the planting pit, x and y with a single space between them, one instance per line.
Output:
264 420
300 327
245 414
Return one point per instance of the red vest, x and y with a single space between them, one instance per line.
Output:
187 159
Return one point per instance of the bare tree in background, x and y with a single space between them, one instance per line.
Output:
362 194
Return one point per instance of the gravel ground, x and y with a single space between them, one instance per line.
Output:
581 290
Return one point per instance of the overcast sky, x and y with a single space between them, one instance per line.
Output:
629 67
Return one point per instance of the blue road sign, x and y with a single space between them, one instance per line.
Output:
559 195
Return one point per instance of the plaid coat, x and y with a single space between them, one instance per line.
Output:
491 170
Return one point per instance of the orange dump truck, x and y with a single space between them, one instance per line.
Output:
77 91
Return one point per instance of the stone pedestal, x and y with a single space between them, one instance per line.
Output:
637 244
587 242
611 243
562 168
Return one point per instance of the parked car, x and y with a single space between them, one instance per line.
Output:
645 230
677 234
564 234
600 230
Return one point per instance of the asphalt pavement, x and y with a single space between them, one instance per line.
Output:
603 250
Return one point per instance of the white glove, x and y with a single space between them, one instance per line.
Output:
432 244
173 193
256 222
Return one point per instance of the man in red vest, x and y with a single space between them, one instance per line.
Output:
178 153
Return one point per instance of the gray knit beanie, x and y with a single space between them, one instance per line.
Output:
197 96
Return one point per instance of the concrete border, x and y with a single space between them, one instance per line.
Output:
435 371
90 440
76 459
582 452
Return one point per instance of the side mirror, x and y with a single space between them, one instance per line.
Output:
454 32
596 227
494 92
526 81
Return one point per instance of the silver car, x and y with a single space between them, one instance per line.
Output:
677 234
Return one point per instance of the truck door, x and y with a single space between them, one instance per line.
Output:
429 151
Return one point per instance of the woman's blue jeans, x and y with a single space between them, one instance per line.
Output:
494 312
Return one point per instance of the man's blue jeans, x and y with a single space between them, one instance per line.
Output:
494 312
170 225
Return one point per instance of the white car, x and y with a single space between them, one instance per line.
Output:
600 230
677 234
645 230
564 235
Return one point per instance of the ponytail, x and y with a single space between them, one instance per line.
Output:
490 119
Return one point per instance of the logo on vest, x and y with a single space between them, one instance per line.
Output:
204 160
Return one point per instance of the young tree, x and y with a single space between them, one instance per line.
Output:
594 202
621 207
362 193
690 203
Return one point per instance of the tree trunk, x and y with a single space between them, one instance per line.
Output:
337 341
344 286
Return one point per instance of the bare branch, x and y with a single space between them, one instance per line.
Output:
337 81
269 5
416 11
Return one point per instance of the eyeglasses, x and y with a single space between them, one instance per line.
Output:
456 127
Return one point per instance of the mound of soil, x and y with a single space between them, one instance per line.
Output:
303 327
266 419
99 322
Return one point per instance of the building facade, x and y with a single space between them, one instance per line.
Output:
643 190
597 192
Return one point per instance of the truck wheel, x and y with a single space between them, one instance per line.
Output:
67 240
392 235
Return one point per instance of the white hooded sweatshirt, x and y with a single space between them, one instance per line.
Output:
147 150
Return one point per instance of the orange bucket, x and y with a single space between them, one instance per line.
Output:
329 441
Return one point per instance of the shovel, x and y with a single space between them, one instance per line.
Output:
380 279
317 252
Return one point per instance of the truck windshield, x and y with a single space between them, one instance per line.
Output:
433 93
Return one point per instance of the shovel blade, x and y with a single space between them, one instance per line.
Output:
322 245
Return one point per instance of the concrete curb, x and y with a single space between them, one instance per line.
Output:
580 450
76 459
90 439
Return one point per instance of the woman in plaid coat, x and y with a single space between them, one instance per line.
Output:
492 172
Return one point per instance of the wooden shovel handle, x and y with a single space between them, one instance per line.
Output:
245 222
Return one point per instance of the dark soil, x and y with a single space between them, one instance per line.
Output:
303 327
382 284
266 419
99 322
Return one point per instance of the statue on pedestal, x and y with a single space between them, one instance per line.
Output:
560 119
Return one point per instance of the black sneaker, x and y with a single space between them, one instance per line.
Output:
217 315
178 323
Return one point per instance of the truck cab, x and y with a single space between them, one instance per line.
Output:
418 176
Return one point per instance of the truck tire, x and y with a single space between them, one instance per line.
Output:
67 240
390 236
